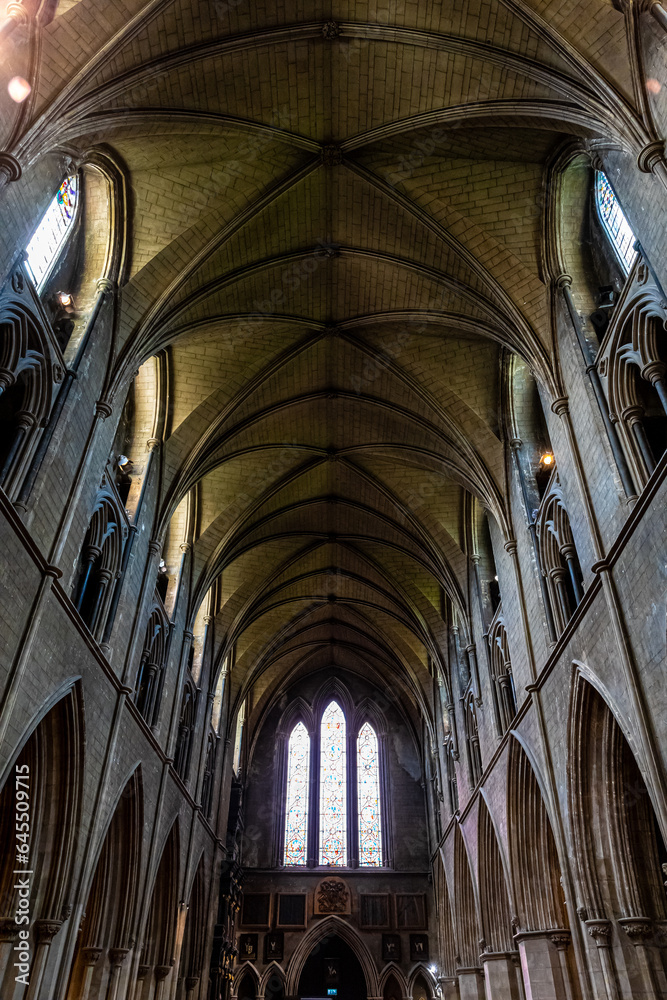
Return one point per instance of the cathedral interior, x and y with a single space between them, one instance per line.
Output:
333 459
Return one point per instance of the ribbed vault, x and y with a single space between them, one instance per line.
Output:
334 238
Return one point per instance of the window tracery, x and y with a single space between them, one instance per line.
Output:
501 668
558 556
333 798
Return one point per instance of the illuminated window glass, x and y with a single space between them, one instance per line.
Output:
368 797
238 740
333 787
49 237
614 221
296 818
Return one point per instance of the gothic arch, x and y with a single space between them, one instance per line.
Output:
467 921
618 844
495 906
421 970
106 930
271 971
160 932
535 864
332 925
49 763
194 940
389 970
247 970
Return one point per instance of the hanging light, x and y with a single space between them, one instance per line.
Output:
547 459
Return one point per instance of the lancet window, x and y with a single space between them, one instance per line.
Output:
49 238
614 222
333 798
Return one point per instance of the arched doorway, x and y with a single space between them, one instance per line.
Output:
332 965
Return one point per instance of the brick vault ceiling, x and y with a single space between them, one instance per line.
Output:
336 233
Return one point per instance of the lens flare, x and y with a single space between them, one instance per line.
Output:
18 89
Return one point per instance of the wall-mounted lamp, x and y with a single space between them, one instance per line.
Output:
547 459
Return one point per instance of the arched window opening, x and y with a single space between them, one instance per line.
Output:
151 665
216 709
558 557
209 773
185 730
368 797
238 739
472 738
333 787
451 757
298 780
501 669
49 238
99 564
124 470
614 222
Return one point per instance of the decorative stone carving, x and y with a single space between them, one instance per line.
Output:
332 156
18 282
638 929
600 931
330 29
332 896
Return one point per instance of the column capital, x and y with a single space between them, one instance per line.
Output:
600 931
638 929
46 930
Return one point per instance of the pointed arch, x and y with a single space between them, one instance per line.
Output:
443 907
332 925
333 783
111 901
494 897
467 923
194 940
49 763
297 800
369 804
534 859
614 825
392 972
160 936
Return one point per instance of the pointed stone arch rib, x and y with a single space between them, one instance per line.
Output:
330 926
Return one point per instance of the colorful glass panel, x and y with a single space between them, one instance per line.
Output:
368 797
47 241
614 221
296 812
333 787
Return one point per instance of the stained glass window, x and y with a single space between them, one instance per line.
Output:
368 797
614 221
298 774
333 787
238 739
48 239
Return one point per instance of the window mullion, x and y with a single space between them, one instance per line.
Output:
352 802
314 800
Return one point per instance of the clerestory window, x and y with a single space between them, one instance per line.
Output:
343 808
614 222
44 248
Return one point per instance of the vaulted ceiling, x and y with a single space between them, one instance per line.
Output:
336 231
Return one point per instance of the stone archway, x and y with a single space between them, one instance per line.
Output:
332 927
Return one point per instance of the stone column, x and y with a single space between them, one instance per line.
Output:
600 931
471 984
116 958
45 931
142 972
161 972
541 966
8 935
639 930
561 941
500 976
449 987
89 959
190 986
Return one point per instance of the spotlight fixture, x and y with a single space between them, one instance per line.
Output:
547 459
64 298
